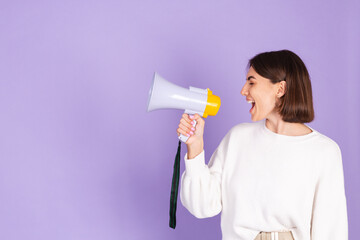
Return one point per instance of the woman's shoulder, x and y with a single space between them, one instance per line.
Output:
246 126
244 129
239 133
326 149
326 144
328 153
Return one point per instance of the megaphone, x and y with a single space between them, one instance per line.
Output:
164 94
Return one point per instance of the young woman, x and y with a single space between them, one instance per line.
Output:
274 178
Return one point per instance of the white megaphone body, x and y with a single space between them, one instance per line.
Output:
164 94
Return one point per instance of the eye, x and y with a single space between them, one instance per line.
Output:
251 83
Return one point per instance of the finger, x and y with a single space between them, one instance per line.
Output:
181 131
186 129
185 123
198 118
186 117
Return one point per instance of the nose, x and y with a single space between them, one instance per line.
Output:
244 91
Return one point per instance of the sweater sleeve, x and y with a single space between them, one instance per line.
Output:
200 190
329 215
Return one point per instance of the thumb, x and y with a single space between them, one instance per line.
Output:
197 118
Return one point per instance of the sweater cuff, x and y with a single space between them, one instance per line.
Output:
196 165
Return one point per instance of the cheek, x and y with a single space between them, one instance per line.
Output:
266 102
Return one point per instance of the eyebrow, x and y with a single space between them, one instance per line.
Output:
250 77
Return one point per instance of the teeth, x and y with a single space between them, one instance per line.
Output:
251 101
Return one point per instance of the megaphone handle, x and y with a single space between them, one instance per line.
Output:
184 138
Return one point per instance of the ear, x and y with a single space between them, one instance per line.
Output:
281 89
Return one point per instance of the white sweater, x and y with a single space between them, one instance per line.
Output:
263 181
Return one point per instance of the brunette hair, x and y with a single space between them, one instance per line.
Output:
296 105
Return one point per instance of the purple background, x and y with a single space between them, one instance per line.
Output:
80 158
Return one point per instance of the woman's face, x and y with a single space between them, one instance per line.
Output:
261 91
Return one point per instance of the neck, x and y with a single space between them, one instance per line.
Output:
277 125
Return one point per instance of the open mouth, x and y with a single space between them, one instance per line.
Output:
252 105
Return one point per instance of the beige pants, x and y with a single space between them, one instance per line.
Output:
274 236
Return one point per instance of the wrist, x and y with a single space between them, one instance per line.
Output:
194 149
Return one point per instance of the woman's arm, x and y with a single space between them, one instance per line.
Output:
200 183
329 217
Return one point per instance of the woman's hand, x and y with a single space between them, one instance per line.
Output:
195 143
